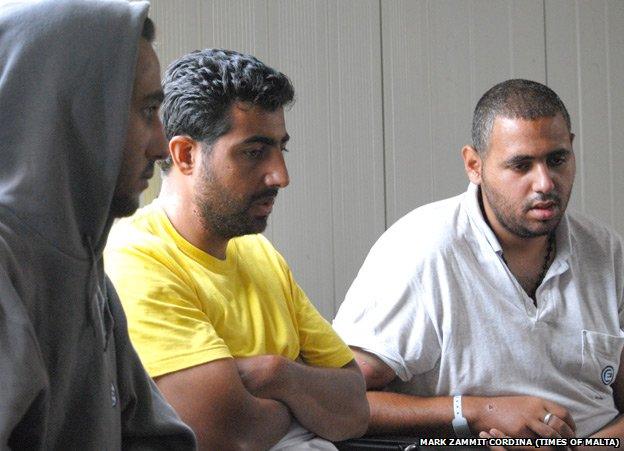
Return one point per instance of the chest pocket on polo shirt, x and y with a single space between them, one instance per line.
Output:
600 361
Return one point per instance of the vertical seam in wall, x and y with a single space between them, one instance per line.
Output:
383 119
510 36
331 160
580 99
609 115
473 95
430 90
545 43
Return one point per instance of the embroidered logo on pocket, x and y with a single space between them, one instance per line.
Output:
607 375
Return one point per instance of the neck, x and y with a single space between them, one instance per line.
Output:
528 259
519 246
187 221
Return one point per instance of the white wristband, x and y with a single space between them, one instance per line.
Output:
460 424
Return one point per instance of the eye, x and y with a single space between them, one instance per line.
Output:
150 112
254 154
557 160
522 166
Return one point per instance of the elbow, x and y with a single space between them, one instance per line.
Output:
361 418
358 415
354 424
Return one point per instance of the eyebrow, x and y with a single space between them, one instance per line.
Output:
265 140
518 159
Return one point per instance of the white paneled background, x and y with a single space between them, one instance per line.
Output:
385 91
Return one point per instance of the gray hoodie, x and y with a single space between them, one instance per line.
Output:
69 377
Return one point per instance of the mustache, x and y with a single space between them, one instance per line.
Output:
541 197
269 192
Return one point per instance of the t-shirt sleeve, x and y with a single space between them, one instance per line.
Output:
319 343
166 324
385 312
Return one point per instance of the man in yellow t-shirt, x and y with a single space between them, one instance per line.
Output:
213 309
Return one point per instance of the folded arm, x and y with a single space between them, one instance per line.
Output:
396 413
212 400
330 402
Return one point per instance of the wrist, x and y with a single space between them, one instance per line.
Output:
459 423
473 408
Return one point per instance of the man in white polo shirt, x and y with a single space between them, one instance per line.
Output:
498 295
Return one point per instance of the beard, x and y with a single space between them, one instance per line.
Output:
125 202
518 224
122 206
224 214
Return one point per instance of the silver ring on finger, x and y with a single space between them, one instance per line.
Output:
547 417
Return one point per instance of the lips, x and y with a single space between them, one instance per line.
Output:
543 211
263 207
544 205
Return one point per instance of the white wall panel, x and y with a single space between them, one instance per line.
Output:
334 209
615 98
439 57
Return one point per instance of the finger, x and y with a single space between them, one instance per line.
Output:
497 434
562 413
542 429
561 427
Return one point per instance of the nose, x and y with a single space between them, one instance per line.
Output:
543 182
158 148
277 174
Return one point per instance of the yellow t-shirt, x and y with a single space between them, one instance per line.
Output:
186 307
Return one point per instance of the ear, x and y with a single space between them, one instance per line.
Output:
473 164
184 151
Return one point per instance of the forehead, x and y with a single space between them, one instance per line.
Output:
513 136
147 74
247 120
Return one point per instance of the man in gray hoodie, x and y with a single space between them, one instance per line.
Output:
80 92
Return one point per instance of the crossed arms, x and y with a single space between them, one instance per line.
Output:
514 416
249 403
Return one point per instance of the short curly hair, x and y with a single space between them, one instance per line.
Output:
517 98
201 87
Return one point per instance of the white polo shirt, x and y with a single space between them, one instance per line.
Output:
436 302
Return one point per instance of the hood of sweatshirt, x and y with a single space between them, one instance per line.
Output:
65 99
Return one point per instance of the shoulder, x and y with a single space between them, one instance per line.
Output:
425 232
591 237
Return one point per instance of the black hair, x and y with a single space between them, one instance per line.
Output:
201 87
517 98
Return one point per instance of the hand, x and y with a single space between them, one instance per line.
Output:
262 375
519 416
